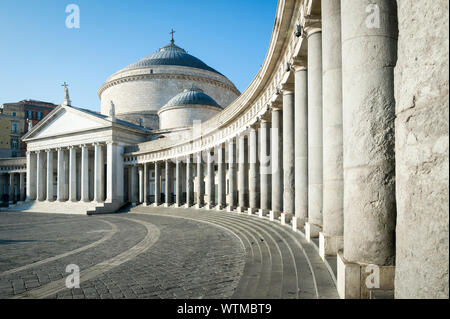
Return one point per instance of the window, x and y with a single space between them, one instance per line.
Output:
14 127
14 143
30 114
14 114
39 116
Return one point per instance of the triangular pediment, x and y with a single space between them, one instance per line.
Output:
66 120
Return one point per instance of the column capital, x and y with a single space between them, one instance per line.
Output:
276 106
300 64
287 88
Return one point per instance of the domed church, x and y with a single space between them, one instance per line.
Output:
140 90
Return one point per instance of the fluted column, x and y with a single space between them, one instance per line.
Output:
301 146
315 150
189 182
50 184
277 162
60 177
222 170
12 185
232 178
84 173
369 55
146 184
178 182
253 178
210 179
157 184
200 181
331 238
72 174
265 170
288 154
99 176
40 176
169 183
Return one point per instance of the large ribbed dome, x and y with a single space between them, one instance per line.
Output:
171 54
192 96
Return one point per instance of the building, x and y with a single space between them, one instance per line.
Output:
14 123
342 135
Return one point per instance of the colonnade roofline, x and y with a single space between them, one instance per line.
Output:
286 48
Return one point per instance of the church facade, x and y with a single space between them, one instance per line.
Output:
342 135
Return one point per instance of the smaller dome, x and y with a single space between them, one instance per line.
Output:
192 96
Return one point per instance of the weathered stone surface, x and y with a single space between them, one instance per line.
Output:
422 114
368 60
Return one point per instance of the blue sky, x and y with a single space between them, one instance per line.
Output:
38 53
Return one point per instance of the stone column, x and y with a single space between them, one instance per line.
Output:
84 173
369 54
422 151
169 183
301 146
99 191
115 173
12 185
72 174
31 176
40 176
265 168
253 179
331 237
134 184
222 170
288 154
157 184
243 174
200 182
277 162
146 184
315 153
60 176
232 178
141 183
22 187
178 182
210 179
50 186
189 182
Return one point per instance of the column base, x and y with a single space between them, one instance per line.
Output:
198 206
361 281
187 205
273 215
167 205
177 205
286 218
312 231
220 207
230 209
251 211
330 245
262 212
209 206
297 223
156 204
241 210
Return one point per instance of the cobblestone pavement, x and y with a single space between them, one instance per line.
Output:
157 253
